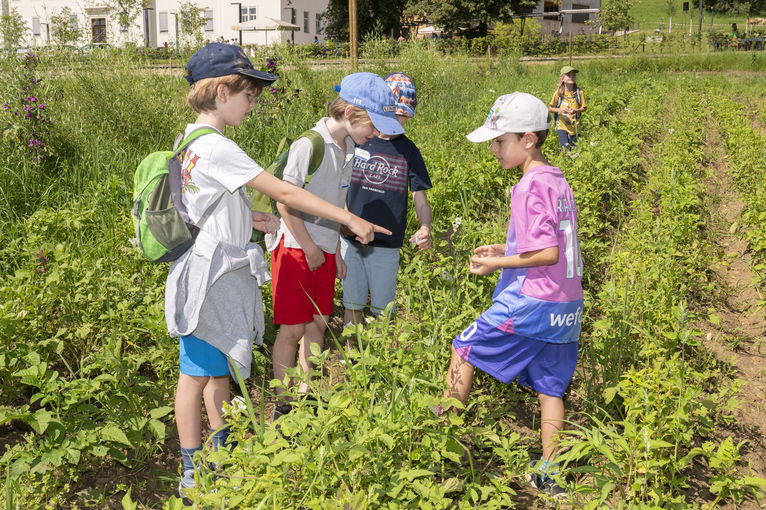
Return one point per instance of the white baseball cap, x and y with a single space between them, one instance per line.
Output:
512 113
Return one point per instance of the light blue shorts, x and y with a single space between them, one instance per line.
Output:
200 359
369 270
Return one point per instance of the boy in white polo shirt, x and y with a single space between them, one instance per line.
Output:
305 256
531 331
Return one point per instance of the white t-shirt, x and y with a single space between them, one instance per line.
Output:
212 166
330 182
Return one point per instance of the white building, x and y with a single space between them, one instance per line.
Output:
157 25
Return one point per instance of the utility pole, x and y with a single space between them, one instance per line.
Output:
700 27
352 34
239 19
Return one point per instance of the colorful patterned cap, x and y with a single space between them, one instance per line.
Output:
512 113
404 90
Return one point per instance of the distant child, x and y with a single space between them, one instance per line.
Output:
384 169
212 299
567 105
305 256
531 331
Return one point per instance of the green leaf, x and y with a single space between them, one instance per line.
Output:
160 412
40 420
115 434
158 429
609 394
127 501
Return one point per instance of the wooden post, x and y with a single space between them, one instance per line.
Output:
352 34
570 48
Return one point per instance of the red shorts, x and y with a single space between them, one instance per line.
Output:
299 294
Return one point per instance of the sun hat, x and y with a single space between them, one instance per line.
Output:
512 113
370 92
403 89
568 69
220 59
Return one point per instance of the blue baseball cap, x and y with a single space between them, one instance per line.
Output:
220 59
370 92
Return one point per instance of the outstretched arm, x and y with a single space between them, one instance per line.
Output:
301 200
482 264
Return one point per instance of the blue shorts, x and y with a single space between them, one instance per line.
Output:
545 367
566 140
200 359
369 269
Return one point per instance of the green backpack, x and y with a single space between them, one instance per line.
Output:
163 229
265 203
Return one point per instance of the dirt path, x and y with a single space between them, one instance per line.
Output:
738 340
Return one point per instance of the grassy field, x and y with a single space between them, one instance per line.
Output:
650 14
666 407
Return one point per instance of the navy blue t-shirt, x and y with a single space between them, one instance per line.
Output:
383 172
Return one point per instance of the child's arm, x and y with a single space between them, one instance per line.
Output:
340 264
265 222
486 259
296 226
302 200
423 211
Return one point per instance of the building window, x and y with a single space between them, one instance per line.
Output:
247 13
305 22
73 21
579 18
163 21
318 23
208 21
35 26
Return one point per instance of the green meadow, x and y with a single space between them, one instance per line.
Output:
661 414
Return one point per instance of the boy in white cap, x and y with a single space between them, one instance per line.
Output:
531 331
305 256
385 168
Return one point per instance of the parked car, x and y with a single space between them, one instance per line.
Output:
96 46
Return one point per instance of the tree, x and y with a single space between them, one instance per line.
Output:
63 30
373 17
124 12
13 29
475 15
615 15
670 7
190 23
750 8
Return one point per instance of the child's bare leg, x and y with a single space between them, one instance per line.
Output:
216 392
285 350
353 316
551 423
188 408
314 335
459 378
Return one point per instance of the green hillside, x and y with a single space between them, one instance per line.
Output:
648 13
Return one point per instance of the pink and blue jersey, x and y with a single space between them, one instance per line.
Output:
546 302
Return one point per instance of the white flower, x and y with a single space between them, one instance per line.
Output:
508 192
593 144
457 223
446 276
236 407
573 155
492 90
671 131
369 319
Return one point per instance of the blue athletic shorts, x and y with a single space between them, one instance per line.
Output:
198 358
545 367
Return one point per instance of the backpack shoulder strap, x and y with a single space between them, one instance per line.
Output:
317 150
180 145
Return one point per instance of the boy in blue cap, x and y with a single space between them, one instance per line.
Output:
305 254
212 299
384 169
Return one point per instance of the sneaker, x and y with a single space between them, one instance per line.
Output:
280 409
544 483
187 482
